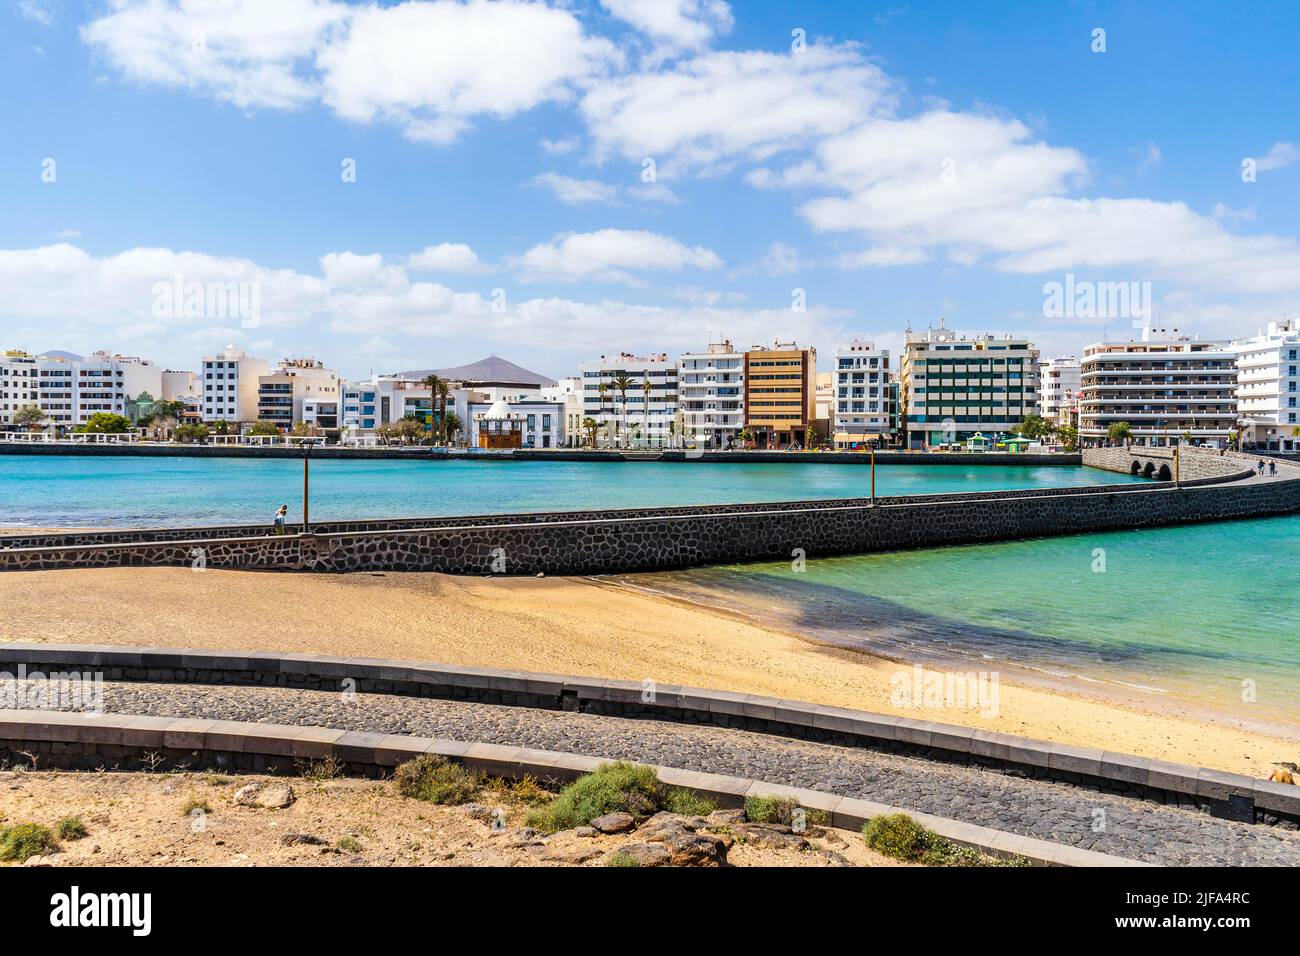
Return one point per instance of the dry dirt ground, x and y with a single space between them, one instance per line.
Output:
142 819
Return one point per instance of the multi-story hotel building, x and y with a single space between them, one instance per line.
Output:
1058 390
18 380
711 387
780 393
230 385
299 390
861 408
1166 386
638 416
1268 387
955 386
70 390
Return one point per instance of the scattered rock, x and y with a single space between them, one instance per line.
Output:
273 796
307 839
37 860
1281 775
572 854
687 848
476 811
725 817
645 854
584 831
614 823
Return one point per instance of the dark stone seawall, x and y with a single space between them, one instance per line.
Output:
1217 488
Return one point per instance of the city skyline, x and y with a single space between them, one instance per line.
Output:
875 168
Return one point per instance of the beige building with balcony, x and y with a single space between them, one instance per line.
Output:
1167 386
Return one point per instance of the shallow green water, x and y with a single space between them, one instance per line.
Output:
1186 612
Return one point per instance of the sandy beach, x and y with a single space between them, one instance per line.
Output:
562 625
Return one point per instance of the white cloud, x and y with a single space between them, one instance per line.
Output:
712 110
445 257
429 67
607 254
42 12
882 256
347 270
560 147
1282 154
575 191
688 24
72 299
782 259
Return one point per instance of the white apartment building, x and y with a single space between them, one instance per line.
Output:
861 412
299 390
18 388
71 390
954 386
640 416
1166 386
230 381
1268 387
1058 390
568 392
711 395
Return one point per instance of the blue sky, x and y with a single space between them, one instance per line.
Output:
908 160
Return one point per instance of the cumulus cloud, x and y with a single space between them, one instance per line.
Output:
717 108
573 191
445 257
1279 156
607 255
430 67
368 304
688 24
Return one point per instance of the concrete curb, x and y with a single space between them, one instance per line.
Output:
209 741
1126 773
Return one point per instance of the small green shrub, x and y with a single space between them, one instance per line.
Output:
71 828
25 840
193 803
437 780
349 844
898 836
614 787
621 859
780 810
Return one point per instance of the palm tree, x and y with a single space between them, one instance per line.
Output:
602 389
590 426
1119 431
622 382
438 390
452 425
645 390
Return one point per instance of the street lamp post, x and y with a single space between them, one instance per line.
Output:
873 477
306 486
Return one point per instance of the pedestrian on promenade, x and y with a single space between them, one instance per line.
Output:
1259 468
1272 467
283 512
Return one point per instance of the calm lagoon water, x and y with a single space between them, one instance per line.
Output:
1182 614
59 491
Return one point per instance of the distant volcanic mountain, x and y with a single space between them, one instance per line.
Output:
490 369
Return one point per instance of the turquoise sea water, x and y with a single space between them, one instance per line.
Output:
1183 614
59 491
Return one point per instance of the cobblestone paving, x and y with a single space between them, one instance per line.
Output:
1052 811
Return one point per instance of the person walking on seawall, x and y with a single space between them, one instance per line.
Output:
1272 468
1259 468
283 512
